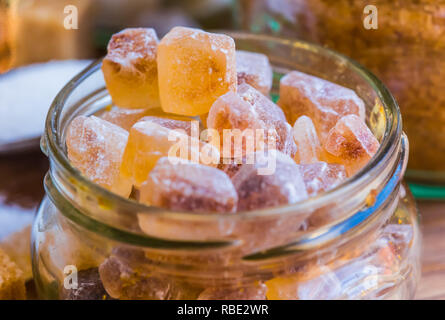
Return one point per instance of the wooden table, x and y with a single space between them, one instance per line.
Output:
432 285
21 188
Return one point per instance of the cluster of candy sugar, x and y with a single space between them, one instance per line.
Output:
192 73
127 274
344 277
160 89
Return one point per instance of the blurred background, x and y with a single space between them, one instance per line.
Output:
34 31
38 55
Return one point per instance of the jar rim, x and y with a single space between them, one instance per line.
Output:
53 145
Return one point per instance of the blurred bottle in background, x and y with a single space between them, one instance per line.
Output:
406 51
34 31
5 44
35 35
40 31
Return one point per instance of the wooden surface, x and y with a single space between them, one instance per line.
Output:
432 285
21 188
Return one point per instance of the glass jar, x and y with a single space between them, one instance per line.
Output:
406 51
359 240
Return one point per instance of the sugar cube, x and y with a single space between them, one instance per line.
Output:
128 275
95 147
308 146
322 176
130 69
173 124
195 68
89 287
124 118
272 116
182 185
352 143
323 101
149 141
254 68
237 123
274 179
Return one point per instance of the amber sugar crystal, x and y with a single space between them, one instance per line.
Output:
323 101
272 116
124 118
175 124
186 186
352 142
149 141
309 149
130 69
195 68
95 147
231 114
273 179
255 69
322 176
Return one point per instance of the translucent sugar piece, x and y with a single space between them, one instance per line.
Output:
195 68
400 237
124 118
89 287
266 109
321 284
237 123
149 141
127 275
173 124
231 165
95 147
323 101
182 185
274 179
308 146
254 292
254 68
285 141
271 115
352 142
322 176
130 69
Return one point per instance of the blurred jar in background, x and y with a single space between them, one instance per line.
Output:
163 15
116 13
5 44
36 31
406 51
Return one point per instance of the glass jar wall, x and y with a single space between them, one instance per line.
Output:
406 51
311 250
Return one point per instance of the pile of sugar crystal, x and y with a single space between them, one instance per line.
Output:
26 94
